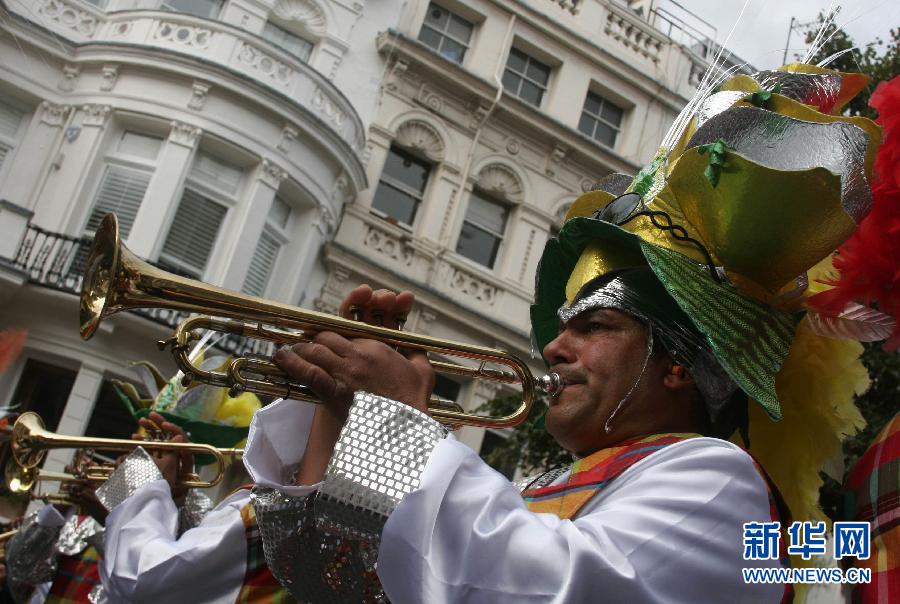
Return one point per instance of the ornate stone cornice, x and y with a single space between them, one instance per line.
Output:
199 92
110 75
271 173
95 115
53 114
183 134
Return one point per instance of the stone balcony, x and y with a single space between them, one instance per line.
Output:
207 41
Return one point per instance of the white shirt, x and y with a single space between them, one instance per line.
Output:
145 561
669 529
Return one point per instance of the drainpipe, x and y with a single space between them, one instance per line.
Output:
470 156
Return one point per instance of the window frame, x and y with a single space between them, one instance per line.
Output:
443 34
220 196
280 234
278 26
402 187
501 237
529 58
598 118
165 5
13 141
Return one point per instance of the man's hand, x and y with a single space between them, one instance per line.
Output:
334 368
175 467
82 494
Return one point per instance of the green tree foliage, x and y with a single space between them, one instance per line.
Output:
878 59
528 445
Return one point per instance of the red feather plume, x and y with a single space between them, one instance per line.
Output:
869 261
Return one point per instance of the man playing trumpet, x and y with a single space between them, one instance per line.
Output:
674 306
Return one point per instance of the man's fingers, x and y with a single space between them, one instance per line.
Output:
311 375
402 307
358 296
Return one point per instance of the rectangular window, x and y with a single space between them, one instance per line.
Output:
122 188
482 230
291 43
195 227
600 119
10 122
402 186
447 33
193 233
267 248
208 9
525 77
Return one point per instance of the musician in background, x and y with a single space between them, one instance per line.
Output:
668 335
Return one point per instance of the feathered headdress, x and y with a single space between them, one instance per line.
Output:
758 182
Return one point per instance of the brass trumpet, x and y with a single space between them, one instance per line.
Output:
30 441
117 280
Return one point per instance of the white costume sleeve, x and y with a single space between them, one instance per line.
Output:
143 560
669 529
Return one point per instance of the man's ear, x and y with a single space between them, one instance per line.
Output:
678 378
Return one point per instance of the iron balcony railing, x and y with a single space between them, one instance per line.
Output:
57 261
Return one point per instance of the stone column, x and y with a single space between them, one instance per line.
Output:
161 199
70 166
250 221
77 413
34 154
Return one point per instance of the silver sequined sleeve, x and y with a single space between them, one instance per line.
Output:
323 548
31 553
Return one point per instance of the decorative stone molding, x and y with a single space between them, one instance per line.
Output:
307 12
633 35
109 75
70 16
398 69
555 159
53 114
95 115
427 317
502 181
340 191
70 76
528 246
479 112
328 108
448 214
470 285
263 63
185 35
388 245
288 136
421 136
698 70
199 92
121 29
513 146
271 173
573 6
431 100
325 222
183 134
340 274
321 305
586 185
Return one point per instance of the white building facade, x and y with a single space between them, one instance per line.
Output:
495 115
226 134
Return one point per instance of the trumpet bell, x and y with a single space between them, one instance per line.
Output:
25 431
102 269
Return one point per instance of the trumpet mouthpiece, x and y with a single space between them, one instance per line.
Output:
550 384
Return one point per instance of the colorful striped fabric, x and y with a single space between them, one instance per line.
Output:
75 578
875 482
592 473
260 586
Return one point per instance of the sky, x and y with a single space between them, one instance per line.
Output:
763 30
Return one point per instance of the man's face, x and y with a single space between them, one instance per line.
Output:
599 355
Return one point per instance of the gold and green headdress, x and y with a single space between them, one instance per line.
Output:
755 186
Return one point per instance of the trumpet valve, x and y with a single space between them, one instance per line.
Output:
187 379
